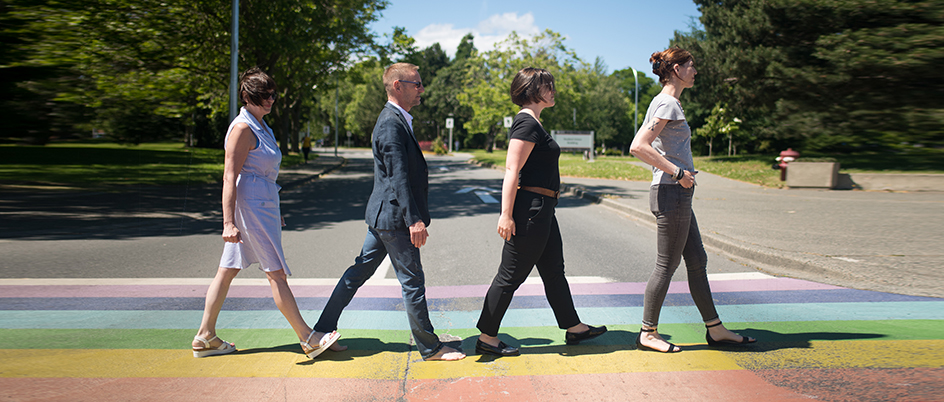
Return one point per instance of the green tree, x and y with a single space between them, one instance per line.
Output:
169 59
441 99
648 89
720 124
489 75
832 74
601 106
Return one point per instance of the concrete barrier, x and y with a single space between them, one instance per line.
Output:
896 181
812 174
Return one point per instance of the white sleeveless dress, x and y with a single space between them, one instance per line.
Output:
258 216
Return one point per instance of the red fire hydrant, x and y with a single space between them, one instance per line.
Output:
785 157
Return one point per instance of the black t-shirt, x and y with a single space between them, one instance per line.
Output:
541 169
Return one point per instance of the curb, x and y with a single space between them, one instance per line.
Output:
756 257
760 258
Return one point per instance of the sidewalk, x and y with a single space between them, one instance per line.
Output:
882 241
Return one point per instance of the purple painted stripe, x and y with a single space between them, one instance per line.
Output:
435 292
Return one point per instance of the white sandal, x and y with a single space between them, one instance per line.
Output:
206 350
326 341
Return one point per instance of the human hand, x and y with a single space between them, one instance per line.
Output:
688 179
231 233
506 227
418 234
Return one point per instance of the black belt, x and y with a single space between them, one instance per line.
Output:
541 190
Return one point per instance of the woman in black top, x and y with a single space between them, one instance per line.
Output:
527 223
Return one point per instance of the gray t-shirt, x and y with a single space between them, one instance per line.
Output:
675 140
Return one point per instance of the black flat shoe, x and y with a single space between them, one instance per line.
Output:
711 342
640 346
502 349
573 339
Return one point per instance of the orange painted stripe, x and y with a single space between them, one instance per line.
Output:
919 384
702 386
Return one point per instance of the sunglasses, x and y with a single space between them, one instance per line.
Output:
419 84
269 95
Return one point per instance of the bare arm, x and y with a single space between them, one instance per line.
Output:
518 152
642 149
237 149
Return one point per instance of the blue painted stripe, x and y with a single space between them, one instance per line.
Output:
444 320
457 304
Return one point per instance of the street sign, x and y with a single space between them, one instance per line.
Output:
326 129
449 122
508 120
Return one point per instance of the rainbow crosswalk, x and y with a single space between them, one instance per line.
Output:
108 339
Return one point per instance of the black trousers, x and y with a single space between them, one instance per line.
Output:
537 242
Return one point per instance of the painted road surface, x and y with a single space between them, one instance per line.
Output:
128 340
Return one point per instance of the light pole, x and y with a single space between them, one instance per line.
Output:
234 64
635 102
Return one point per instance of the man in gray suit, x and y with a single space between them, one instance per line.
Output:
397 216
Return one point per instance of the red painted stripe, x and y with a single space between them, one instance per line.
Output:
702 386
861 385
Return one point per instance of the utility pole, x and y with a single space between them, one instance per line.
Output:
635 102
234 65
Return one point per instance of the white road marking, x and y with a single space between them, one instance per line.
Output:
378 279
486 197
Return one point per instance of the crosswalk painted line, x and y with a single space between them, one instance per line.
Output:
124 329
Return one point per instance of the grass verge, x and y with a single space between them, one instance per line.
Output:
610 167
754 169
109 164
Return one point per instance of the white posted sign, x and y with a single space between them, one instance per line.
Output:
573 139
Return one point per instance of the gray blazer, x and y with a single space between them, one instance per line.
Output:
401 177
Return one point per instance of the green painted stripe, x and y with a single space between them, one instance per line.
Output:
771 334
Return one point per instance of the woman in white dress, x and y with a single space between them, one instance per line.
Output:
252 222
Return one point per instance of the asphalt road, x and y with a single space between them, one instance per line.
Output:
117 285
324 232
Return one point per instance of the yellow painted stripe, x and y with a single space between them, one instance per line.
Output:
120 363
848 354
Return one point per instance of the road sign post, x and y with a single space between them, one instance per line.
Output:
449 124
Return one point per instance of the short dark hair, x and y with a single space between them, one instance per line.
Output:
397 71
528 85
256 85
663 62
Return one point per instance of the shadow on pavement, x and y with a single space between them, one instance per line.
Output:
37 213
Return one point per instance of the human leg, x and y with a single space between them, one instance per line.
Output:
550 266
216 295
696 262
285 301
671 205
405 258
672 208
372 254
519 255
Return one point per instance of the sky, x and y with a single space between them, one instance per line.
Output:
623 33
